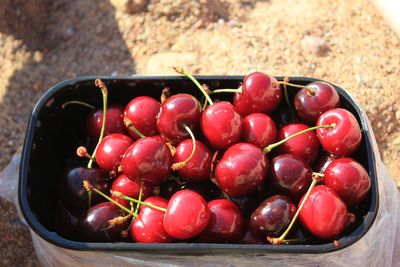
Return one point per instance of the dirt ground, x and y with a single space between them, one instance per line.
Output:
43 42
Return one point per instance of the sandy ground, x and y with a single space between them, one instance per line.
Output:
44 42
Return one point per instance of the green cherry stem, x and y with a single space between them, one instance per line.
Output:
129 124
140 199
190 76
268 148
147 204
179 165
227 90
76 102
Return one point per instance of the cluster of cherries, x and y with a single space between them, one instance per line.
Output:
178 170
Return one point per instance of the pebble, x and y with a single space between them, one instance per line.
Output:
316 45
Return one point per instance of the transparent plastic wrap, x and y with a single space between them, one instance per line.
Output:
380 246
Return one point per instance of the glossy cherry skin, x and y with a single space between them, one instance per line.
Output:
114 122
322 162
314 100
130 188
93 226
199 166
187 215
148 159
148 226
305 145
72 193
242 169
110 151
177 111
222 125
261 93
272 216
226 223
290 175
348 179
142 111
343 139
207 189
324 214
259 129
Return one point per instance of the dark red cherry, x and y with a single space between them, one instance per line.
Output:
261 93
148 226
170 187
324 214
142 111
94 225
290 175
226 223
283 116
114 122
322 162
248 203
249 237
110 151
348 179
177 111
315 99
207 189
187 215
344 138
221 125
272 216
148 159
241 170
130 188
64 222
198 168
305 145
259 129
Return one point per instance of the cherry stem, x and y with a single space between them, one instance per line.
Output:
121 219
82 152
99 83
140 199
268 148
293 85
129 124
227 90
194 80
166 92
179 165
78 103
89 188
286 80
147 204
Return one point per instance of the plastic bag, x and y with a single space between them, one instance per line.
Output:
380 246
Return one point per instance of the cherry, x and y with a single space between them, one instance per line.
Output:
248 203
141 113
272 216
305 145
249 237
187 215
322 162
344 138
283 116
259 129
169 187
177 111
241 170
259 93
114 122
148 159
207 189
313 100
198 168
290 175
226 222
148 226
348 179
110 151
221 125
130 188
94 225
324 214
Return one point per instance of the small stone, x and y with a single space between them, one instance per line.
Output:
130 6
316 45
38 86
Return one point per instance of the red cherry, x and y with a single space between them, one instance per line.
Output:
130 188
344 138
221 125
322 162
110 151
187 215
315 99
305 145
226 222
148 226
142 111
198 168
260 93
348 179
114 122
241 170
177 111
259 129
324 214
148 159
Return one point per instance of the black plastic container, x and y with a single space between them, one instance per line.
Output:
52 136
